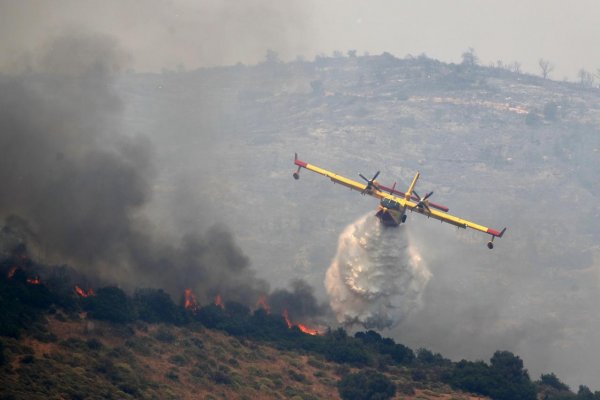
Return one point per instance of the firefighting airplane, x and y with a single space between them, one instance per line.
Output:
393 203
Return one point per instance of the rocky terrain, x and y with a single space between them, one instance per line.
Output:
498 147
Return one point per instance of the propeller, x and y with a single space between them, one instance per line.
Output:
370 182
423 203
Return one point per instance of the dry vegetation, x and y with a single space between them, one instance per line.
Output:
95 360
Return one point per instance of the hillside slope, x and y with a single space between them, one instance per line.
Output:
88 359
497 147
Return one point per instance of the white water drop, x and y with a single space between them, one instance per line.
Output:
377 277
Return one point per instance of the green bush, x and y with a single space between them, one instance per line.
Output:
111 304
584 393
427 357
211 316
418 375
504 379
552 381
342 349
385 346
154 305
366 385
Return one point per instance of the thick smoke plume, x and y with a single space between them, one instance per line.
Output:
376 277
74 185
300 301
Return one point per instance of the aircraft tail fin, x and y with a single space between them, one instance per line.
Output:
409 192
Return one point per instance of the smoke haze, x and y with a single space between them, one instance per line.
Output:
81 183
168 34
75 186
300 301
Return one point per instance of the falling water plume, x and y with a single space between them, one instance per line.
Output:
377 276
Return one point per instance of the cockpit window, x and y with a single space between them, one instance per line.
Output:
389 203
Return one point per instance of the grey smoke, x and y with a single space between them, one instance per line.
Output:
377 277
300 301
75 185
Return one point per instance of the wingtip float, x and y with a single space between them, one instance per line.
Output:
394 203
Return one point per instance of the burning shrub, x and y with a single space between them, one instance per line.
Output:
28 290
265 326
110 304
21 303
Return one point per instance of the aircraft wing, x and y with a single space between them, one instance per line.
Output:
451 219
359 187
421 206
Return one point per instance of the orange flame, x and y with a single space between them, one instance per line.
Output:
219 301
262 303
302 327
34 281
81 292
307 330
190 302
12 271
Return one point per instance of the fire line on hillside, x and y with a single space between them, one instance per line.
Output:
191 304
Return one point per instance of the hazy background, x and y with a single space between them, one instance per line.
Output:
188 33
221 143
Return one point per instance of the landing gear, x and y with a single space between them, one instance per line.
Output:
490 244
403 219
296 174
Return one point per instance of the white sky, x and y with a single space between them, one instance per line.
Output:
164 33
